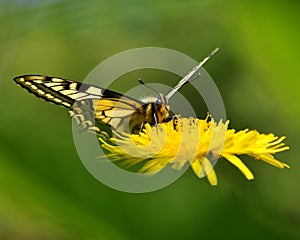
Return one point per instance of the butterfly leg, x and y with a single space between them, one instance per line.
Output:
142 126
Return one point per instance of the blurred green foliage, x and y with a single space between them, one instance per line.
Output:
46 193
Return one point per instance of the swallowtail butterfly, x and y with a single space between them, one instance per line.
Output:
98 109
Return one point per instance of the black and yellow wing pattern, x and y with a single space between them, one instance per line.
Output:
91 106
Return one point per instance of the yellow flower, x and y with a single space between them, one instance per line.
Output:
197 142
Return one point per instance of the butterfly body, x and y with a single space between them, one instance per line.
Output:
154 110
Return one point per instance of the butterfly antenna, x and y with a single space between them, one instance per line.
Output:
146 85
190 75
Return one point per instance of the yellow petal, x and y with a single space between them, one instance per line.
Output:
210 172
197 168
239 164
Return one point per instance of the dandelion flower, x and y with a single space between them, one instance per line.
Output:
197 142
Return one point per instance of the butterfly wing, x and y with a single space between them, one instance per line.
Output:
92 107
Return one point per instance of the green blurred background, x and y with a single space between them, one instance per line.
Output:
46 192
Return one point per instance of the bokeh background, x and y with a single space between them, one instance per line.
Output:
46 192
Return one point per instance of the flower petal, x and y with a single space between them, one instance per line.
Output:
197 167
210 172
239 164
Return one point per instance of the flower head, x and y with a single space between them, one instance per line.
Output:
194 141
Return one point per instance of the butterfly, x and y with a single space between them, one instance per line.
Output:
102 110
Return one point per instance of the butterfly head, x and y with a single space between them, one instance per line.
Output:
160 99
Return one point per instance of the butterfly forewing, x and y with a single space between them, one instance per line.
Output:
91 106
